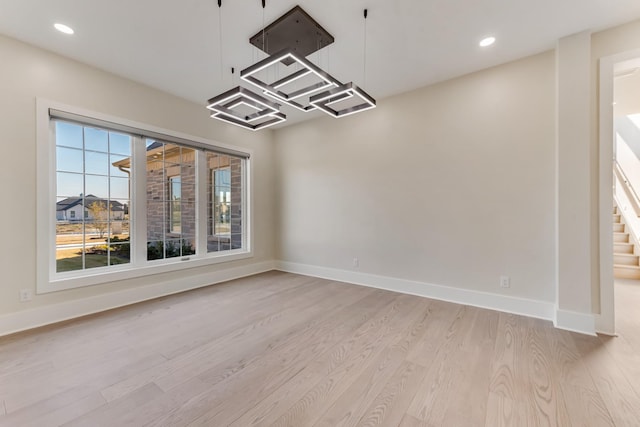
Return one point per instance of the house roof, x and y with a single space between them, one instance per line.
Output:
71 202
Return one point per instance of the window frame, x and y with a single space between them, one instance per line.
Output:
48 280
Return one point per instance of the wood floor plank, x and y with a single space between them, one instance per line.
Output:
341 365
336 328
501 411
350 355
625 357
289 350
441 317
545 403
64 414
476 359
409 421
585 406
389 407
444 371
112 367
350 407
567 362
506 380
627 297
613 385
120 411
46 407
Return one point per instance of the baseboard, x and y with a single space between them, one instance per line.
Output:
575 322
46 315
604 325
522 306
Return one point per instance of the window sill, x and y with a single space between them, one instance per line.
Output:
131 272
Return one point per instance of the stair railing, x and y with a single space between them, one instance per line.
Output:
628 188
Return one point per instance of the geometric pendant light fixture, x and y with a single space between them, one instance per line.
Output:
264 113
277 89
327 101
305 86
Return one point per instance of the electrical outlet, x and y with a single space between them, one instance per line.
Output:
505 282
356 262
25 295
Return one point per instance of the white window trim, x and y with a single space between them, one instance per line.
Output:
49 281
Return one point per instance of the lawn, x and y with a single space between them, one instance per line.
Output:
91 261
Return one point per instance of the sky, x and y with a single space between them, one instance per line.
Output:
93 151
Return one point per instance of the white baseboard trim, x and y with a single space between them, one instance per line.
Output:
575 322
522 306
604 325
46 315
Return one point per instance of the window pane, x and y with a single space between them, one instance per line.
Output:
69 259
120 144
68 160
236 241
69 185
119 229
96 140
96 255
119 253
173 248
96 163
68 135
155 250
188 244
155 221
97 186
120 166
175 217
119 188
188 217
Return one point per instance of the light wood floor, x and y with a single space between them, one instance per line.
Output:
287 350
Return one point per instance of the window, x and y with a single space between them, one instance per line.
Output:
88 178
225 202
130 201
171 195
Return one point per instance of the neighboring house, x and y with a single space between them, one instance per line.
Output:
76 208
171 207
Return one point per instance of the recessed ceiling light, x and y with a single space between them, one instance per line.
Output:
487 41
63 28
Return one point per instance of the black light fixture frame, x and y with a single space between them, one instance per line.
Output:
295 30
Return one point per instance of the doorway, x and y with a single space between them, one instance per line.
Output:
619 162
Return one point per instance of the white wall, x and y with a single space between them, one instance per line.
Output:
573 173
27 73
452 184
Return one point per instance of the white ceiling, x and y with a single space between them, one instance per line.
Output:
173 45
